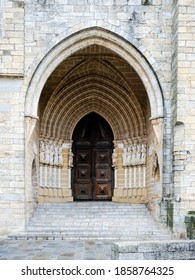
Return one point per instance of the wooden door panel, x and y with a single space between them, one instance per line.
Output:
102 157
83 174
82 191
82 186
103 191
83 157
103 175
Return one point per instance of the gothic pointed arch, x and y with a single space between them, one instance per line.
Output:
96 72
100 37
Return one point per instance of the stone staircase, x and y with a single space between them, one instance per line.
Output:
93 220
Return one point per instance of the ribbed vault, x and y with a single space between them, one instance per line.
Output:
94 80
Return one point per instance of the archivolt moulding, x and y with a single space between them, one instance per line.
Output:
79 41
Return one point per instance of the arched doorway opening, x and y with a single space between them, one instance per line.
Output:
92 148
96 73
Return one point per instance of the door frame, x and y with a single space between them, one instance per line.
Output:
93 170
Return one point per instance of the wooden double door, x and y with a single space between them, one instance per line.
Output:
92 148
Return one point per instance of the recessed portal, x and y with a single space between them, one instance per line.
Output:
93 97
92 147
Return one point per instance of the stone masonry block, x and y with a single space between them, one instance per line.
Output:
192 246
151 247
177 247
131 256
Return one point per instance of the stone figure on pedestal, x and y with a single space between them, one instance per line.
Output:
42 152
138 154
125 156
47 153
60 155
143 154
56 157
114 158
51 156
70 159
134 148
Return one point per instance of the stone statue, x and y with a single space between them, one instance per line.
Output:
42 152
60 155
70 159
56 157
114 158
51 156
143 153
138 154
154 164
47 153
134 150
129 155
125 156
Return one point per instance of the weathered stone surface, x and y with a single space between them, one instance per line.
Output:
151 247
174 247
164 250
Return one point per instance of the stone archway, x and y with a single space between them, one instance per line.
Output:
87 37
99 73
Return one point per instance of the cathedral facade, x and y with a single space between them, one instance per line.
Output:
97 102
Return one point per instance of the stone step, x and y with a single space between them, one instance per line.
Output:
89 223
90 229
93 220
72 236
103 219
99 233
85 214
89 207
94 224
